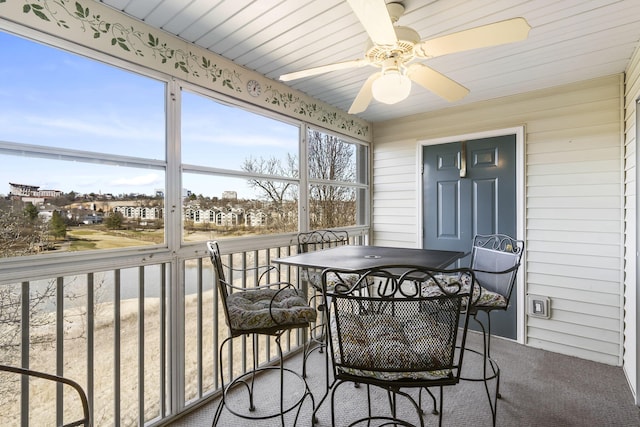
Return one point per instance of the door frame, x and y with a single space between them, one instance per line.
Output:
519 133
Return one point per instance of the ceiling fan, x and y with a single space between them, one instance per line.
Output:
392 48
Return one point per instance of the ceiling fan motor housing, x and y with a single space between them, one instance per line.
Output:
402 50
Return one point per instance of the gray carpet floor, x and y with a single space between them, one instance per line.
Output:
539 388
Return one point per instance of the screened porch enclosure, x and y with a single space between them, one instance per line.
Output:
107 206
124 148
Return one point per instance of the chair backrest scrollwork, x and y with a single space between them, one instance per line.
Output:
495 260
216 260
398 334
321 239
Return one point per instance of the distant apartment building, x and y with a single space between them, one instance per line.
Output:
218 216
31 193
256 218
230 195
140 212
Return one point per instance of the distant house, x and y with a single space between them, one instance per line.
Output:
46 214
256 218
92 219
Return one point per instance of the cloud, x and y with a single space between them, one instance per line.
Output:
87 134
246 140
148 179
96 126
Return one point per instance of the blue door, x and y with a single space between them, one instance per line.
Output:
470 188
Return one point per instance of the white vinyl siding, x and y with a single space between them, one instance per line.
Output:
632 94
393 215
573 203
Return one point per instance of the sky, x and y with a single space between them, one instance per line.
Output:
53 98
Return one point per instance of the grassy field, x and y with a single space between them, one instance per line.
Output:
91 237
83 238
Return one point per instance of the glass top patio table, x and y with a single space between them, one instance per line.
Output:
362 257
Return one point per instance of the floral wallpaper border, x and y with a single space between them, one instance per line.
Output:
99 27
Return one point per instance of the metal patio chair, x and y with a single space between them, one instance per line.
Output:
86 416
312 279
269 309
495 260
397 338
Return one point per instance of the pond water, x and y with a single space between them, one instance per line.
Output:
75 287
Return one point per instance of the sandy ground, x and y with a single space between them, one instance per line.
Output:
42 394
42 357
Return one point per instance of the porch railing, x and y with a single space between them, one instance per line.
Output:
142 340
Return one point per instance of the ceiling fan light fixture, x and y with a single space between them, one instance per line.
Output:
391 87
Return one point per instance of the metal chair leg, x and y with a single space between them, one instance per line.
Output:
316 341
434 411
488 362
249 384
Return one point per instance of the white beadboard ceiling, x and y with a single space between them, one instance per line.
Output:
570 40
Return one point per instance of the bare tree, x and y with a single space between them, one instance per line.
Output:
40 304
331 159
277 193
10 315
21 232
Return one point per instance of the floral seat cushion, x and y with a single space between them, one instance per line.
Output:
383 347
347 279
268 308
481 297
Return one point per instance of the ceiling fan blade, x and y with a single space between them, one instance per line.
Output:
356 63
375 19
511 30
436 82
365 95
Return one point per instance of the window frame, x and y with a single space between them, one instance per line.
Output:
363 206
232 173
173 168
105 258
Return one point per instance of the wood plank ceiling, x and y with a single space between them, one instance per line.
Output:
570 40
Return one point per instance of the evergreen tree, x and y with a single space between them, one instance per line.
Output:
114 221
58 226
30 211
